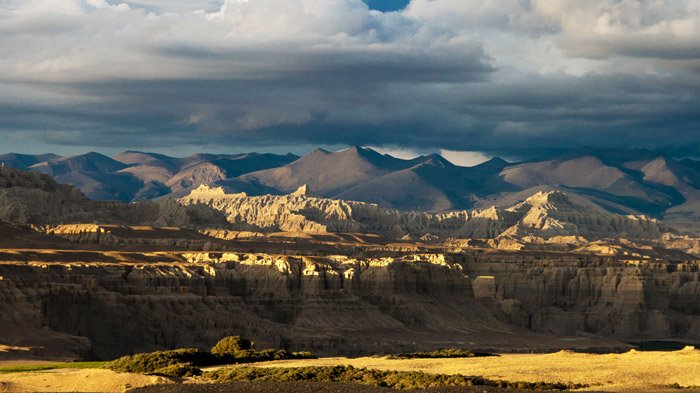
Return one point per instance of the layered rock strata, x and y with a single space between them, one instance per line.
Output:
344 305
568 294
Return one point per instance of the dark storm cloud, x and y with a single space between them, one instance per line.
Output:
256 73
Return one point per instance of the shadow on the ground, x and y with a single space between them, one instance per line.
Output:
310 387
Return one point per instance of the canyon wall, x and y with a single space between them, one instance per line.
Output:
328 305
566 294
345 305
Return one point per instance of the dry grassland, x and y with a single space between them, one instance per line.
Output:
74 380
633 371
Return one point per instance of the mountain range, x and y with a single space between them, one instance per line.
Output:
132 175
618 181
546 220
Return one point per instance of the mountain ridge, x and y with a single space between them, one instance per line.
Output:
619 181
134 175
544 220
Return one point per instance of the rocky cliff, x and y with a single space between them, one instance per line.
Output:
567 294
341 305
544 214
331 305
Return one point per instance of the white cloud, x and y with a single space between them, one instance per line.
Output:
94 39
571 35
442 73
80 39
465 158
398 152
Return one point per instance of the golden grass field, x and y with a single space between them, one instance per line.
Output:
628 372
74 380
633 371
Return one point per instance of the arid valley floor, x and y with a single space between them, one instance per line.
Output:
626 372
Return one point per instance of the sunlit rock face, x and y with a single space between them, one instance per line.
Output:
344 305
544 214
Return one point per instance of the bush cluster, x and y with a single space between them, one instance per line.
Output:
391 379
232 345
441 353
252 356
174 363
186 362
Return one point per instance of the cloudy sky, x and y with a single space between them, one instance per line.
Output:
509 77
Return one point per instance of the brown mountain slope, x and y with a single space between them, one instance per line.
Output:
32 198
136 175
590 176
328 173
434 184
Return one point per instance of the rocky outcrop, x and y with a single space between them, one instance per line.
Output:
170 238
302 213
550 214
544 215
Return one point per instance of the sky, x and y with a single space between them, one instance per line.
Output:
471 78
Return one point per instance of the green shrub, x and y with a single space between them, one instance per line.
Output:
179 370
263 356
231 345
392 379
185 362
441 353
147 363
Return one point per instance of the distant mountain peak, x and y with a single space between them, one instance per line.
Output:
364 152
438 160
494 161
88 155
320 151
494 164
662 170
610 156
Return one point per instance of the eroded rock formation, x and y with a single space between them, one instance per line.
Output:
545 215
347 305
